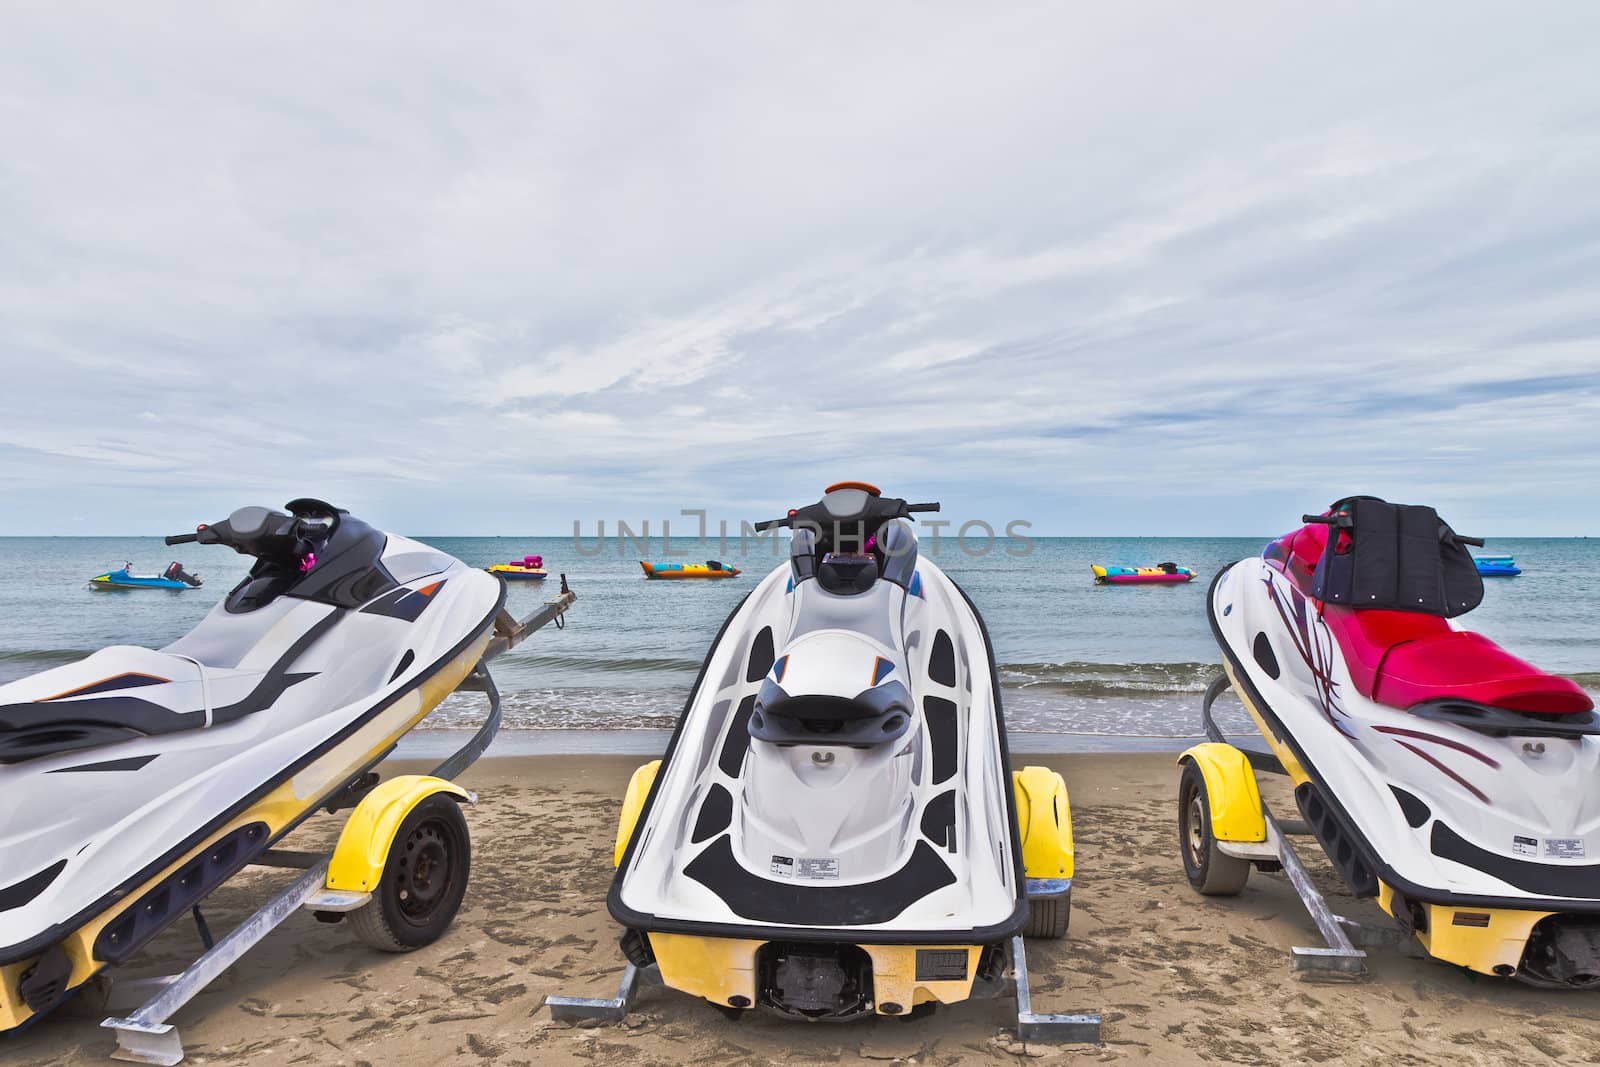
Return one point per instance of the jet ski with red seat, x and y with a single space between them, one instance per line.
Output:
135 781
1451 781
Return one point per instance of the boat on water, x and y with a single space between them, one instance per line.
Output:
1497 566
709 569
1160 574
528 568
174 577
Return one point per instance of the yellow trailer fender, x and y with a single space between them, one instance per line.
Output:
1236 812
1044 817
363 848
632 804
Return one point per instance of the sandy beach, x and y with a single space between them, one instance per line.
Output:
1179 979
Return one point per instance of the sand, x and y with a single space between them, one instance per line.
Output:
1179 978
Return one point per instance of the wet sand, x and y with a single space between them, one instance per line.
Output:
1179 978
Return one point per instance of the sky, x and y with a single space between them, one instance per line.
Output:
1107 269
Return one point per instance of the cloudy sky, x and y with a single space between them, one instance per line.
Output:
481 269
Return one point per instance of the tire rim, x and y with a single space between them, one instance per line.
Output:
1194 835
424 874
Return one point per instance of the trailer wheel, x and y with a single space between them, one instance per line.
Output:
1048 917
424 879
1209 869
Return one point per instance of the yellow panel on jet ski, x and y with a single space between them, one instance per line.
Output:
723 971
894 975
720 969
1479 939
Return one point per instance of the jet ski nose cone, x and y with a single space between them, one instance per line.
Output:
837 664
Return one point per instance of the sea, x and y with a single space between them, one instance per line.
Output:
1082 666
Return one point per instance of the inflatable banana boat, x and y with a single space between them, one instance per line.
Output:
1161 573
709 569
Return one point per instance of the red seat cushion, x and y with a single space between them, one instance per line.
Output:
1403 658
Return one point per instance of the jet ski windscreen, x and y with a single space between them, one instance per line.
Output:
1400 557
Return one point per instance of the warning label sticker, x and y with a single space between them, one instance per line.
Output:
1525 846
818 867
1564 848
783 865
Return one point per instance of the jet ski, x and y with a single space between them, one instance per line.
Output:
834 831
1453 783
1497 566
174 577
136 780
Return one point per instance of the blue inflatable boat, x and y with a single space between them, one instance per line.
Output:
1497 566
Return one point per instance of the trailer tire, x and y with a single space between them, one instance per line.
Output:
1048 917
1210 870
424 879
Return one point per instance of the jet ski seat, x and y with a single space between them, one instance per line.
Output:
103 710
1404 658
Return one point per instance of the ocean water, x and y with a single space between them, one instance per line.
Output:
1074 658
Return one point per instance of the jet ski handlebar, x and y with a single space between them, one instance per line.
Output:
266 533
1343 520
880 509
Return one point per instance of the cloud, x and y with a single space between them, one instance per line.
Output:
1109 270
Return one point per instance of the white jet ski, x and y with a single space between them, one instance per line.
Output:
1452 782
834 829
135 781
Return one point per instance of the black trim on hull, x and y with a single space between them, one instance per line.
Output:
131 763
769 900
635 920
43 940
19 893
1548 878
1385 873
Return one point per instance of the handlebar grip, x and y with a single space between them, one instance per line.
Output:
770 523
182 539
921 507
1476 542
1325 520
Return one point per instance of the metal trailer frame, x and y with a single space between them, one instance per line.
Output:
1338 958
145 1035
1050 1028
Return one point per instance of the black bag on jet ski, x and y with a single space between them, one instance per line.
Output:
1400 557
